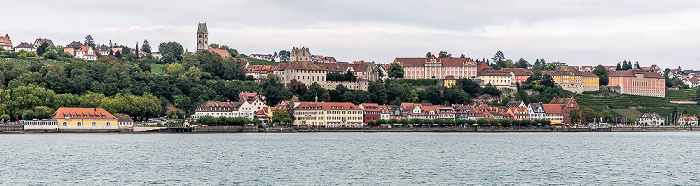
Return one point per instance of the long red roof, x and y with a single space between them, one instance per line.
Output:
82 113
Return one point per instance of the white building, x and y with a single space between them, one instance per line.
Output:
651 119
86 53
536 111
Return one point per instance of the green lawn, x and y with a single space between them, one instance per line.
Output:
254 61
157 69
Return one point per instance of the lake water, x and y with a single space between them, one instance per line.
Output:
351 158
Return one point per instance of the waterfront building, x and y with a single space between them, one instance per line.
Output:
637 82
396 112
25 46
553 113
385 112
328 114
446 112
412 111
310 72
519 113
437 68
246 106
40 124
39 41
84 119
6 43
651 119
124 121
688 120
535 111
566 105
520 74
571 79
371 112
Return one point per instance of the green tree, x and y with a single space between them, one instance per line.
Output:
522 63
171 51
28 115
444 54
588 115
5 117
316 91
575 115
89 42
297 87
145 47
550 67
395 70
602 74
43 112
428 54
42 48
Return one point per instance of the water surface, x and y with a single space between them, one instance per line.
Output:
351 158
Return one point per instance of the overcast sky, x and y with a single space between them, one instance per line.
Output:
588 32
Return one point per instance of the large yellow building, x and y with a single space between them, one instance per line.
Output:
571 79
328 114
85 118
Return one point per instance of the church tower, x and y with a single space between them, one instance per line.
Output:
202 37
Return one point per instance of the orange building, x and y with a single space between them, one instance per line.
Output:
637 82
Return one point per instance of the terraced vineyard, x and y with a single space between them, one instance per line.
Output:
254 61
632 106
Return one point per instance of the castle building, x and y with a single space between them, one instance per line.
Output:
437 68
638 82
310 72
202 37
300 54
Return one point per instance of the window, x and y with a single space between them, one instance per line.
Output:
108 124
80 124
94 124
65 124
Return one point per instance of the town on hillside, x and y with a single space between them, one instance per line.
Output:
114 87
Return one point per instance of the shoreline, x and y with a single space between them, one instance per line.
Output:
252 129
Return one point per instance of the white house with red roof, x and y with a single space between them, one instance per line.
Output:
5 43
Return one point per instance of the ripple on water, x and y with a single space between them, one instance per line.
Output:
351 158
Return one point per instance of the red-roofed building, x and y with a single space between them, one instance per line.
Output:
521 74
328 114
85 118
371 112
5 43
221 52
637 82
437 68
259 72
553 113
566 105
86 53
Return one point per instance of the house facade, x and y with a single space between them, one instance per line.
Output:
5 43
688 120
25 47
86 53
571 79
328 114
535 111
84 119
310 72
437 68
638 82
651 119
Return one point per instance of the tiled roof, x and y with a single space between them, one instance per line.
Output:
74 44
588 74
444 61
219 106
124 118
518 71
327 106
221 52
482 66
82 113
24 45
650 115
494 73
5 41
335 67
632 72
552 108
42 41
372 107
